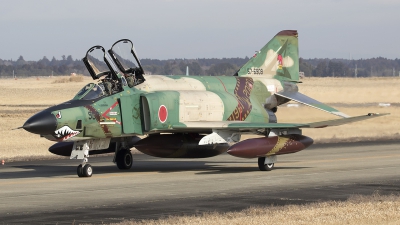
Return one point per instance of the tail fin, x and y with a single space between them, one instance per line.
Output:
279 58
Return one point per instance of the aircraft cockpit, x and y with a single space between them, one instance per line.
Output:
116 68
100 68
90 91
124 56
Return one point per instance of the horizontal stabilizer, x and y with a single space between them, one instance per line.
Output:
304 99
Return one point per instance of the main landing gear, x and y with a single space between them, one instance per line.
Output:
266 163
123 158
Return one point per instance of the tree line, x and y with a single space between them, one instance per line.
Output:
42 67
206 67
374 67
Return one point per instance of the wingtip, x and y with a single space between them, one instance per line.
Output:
378 114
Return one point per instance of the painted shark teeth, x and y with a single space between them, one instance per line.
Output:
65 133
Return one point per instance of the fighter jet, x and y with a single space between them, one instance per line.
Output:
181 116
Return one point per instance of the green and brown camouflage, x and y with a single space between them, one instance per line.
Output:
278 59
198 112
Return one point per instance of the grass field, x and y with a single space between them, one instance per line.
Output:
367 210
22 98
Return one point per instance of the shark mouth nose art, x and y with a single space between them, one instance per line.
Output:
65 133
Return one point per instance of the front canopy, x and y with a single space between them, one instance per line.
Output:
90 91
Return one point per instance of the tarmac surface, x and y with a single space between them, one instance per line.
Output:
49 192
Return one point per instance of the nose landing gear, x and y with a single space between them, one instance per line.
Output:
84 169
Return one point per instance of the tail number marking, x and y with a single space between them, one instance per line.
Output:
255 71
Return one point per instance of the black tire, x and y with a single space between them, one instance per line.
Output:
79 171
264 167
124 159
87 170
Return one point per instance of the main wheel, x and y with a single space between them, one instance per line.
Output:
264 167
87 170
124 159
79 171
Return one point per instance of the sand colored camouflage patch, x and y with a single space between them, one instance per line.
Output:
277 59
158 82
272 63
200 106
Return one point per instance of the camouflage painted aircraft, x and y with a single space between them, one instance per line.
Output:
182 116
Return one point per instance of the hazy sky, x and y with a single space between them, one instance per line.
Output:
163 29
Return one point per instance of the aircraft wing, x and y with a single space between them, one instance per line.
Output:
243 125
304 99
227 131
338 122
233 125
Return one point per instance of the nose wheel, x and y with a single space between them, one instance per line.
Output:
84 171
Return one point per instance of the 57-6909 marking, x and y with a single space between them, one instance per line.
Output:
255 71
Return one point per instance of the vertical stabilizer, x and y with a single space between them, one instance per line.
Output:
279 58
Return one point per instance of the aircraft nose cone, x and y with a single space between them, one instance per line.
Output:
41 123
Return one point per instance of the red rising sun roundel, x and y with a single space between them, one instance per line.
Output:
162 113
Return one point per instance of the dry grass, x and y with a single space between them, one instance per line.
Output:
385 127
24 97
375 209
68 79
17 144
20 100
350 90
42 91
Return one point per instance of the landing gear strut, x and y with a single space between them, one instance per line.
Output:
81 151
85 169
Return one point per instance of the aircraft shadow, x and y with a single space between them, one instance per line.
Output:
170 166
229 170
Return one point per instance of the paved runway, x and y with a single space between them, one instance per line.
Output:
50 191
